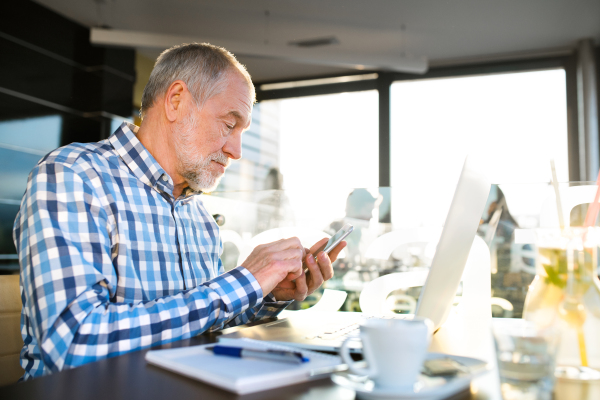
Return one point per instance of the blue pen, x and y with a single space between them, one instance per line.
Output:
294 357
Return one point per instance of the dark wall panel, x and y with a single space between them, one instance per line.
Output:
55 88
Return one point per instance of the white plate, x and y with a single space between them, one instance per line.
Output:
425 388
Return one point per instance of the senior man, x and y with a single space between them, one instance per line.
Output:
117 251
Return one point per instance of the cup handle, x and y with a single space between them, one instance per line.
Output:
345 354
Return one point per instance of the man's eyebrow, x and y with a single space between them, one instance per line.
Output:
236 114
239 116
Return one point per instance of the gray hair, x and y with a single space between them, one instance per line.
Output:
203 67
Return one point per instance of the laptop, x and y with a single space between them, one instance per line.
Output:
326 331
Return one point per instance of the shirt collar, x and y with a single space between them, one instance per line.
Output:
138 159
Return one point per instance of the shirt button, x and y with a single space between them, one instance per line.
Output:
165 177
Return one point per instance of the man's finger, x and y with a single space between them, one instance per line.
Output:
325 266
288 254
289 260
301 288
293 275
333 254
318 247
284 244
316 276
287 284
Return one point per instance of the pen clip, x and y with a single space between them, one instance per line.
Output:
297 354
288 353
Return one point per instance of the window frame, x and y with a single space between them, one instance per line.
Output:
385 79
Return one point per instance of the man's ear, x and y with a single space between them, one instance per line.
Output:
174 100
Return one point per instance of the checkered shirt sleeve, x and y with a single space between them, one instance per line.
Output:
84 301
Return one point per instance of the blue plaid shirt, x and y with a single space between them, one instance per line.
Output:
111 262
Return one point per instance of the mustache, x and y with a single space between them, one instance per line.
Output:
221 158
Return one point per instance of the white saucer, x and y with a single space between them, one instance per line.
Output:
425 388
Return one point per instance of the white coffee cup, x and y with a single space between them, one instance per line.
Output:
395 350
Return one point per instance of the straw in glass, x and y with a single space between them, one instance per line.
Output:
592 212
561 218
570 309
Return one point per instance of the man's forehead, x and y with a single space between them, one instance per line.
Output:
242 111
236 100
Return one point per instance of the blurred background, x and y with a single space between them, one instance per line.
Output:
365 113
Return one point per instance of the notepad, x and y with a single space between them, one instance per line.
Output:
243 375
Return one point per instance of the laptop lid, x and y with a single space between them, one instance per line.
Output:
460 228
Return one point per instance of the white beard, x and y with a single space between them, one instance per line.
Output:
192 165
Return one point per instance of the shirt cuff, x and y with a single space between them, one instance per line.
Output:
238 289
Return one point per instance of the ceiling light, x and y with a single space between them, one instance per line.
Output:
318 42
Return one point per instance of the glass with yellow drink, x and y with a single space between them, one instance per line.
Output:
566 293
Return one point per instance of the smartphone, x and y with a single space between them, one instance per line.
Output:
335 240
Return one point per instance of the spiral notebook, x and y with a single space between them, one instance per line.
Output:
243 375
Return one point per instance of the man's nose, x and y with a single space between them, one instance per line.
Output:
233 146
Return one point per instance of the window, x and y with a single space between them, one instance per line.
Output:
22 143
308 144
512 124
319 148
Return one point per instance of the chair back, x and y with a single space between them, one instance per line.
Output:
570 198
476 280
11 341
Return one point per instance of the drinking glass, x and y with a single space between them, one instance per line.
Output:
566 293
526 357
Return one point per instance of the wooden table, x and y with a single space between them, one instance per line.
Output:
129 377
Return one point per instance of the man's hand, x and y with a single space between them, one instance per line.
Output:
271 263
318 272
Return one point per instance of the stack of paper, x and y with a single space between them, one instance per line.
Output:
243 375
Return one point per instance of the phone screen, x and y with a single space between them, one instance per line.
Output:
335 239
